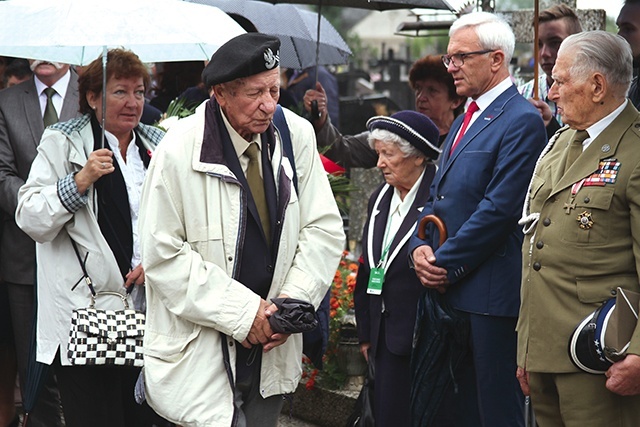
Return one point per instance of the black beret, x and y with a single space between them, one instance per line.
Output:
242 56
412 126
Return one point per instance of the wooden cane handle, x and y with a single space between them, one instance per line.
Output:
422 227
442 229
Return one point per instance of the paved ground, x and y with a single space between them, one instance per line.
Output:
285 421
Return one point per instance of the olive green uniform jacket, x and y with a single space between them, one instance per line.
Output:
569 270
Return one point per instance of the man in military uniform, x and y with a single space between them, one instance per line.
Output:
582 236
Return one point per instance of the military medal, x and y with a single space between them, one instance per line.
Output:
568 206
607 173
584 220
574 190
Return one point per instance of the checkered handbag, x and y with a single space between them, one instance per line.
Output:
106 337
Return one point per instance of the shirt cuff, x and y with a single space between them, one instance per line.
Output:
69 196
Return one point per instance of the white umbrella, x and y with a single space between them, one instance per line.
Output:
77 31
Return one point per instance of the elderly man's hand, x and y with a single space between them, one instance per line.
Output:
429 274
623 377
275 339
543 108
320 96
260 332
523 378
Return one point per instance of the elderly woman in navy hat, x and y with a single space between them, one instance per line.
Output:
387 290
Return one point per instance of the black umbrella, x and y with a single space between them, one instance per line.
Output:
439 344
362 4
295 27
37 373
293 316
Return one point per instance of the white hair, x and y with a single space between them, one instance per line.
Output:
388 137
602 52
492 30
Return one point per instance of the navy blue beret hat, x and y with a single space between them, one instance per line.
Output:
415 127
242 56
604 336
586 348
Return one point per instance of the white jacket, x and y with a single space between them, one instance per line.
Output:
64 149
191 220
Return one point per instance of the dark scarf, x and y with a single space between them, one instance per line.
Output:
114 215
218 148
256 259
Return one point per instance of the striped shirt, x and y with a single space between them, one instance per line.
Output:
526 90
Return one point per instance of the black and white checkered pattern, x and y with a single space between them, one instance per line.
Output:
106 337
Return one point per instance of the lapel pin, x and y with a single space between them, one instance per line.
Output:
606 148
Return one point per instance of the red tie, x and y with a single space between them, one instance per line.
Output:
473 107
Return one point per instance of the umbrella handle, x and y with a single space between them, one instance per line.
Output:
422 227
315 111
442 229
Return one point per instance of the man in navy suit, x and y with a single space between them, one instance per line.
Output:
485 167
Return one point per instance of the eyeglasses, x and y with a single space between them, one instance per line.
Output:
457 59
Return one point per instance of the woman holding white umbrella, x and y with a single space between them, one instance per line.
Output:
80 196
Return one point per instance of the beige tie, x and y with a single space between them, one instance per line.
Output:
50 115
575 148
257 187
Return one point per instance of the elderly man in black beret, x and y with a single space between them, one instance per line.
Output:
224 230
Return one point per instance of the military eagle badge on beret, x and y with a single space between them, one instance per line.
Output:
270 60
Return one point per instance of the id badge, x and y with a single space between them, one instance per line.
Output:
376 278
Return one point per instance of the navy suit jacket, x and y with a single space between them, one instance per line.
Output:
478 192
401 289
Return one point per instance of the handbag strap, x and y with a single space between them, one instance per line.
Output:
85 274
92 304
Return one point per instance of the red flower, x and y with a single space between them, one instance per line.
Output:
342 289
331 166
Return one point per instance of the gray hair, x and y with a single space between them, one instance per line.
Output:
602 52
492 30
387 137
